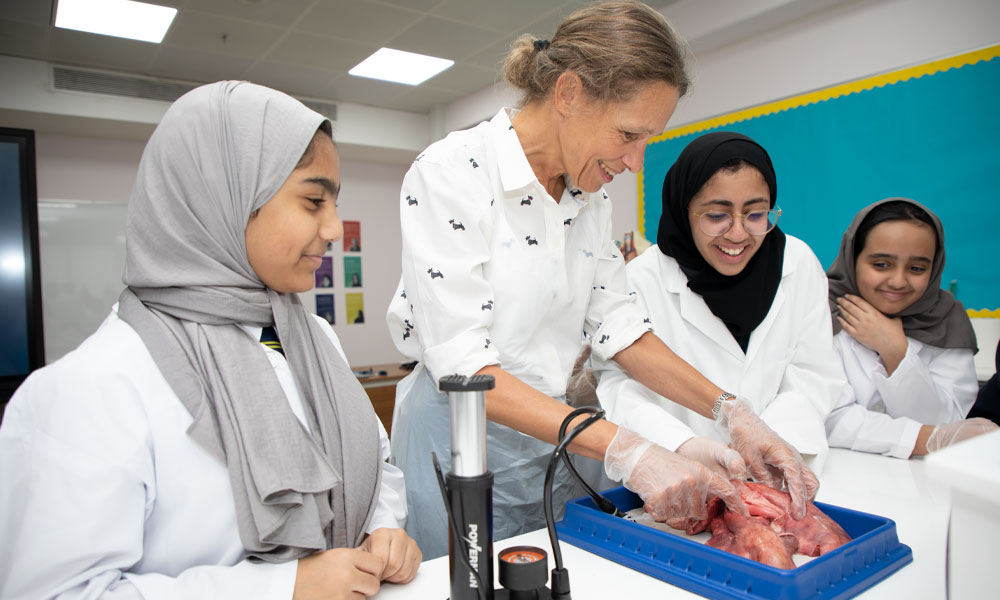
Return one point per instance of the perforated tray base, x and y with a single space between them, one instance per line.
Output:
873 554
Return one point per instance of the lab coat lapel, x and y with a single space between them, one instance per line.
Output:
761 332
696 312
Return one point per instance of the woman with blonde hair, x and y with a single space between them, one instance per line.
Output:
534 268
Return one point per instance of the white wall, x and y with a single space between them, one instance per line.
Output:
369 194
83 189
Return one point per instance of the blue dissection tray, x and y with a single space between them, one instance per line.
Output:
873 554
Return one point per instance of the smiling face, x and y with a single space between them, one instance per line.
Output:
894 267
287 237
605 139
737 193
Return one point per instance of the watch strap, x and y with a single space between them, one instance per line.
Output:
718 403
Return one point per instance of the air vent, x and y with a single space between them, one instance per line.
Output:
96 82
117 84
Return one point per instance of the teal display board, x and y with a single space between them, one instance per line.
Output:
931 133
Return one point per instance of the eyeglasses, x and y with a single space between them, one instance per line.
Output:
758 222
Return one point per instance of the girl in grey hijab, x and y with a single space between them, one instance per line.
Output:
233 206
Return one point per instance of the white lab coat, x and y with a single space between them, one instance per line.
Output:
789 373
883 414
495 271
104 495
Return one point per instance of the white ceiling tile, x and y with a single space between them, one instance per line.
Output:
492 56
23 39
36 12
418 5
202 31
102 51
502 17
197 65
365 91
309 50
304 47
363 22
274 12
293 80
444 39
462 78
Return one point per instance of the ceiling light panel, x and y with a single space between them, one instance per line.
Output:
118 18
400 67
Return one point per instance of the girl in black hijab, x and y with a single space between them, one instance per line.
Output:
736 298
740 300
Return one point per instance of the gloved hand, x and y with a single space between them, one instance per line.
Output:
581 390
673 487
952 433
769 458
716 456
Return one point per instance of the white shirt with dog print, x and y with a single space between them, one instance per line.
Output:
495 271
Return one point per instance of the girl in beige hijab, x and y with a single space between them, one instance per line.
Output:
906 344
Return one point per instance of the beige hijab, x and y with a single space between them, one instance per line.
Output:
936 318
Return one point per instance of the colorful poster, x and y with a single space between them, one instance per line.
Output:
352 271
324 307
324 274
352 236
355 308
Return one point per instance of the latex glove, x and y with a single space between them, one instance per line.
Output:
581 390
716 456
672 487
770 459
952 433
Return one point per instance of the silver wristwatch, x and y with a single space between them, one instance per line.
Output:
718 403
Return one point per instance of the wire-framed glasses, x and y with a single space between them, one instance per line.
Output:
756 222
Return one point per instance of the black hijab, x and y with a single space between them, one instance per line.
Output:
741 301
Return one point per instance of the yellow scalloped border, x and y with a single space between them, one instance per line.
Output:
835 91
983 313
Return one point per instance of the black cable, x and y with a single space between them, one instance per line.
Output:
596 415
602 503
454 526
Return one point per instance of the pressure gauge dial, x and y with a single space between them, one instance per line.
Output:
523 568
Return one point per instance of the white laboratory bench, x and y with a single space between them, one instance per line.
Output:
889 487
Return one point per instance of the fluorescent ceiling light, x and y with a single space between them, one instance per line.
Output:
400 67
120 18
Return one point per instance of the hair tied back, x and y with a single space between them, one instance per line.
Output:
541 45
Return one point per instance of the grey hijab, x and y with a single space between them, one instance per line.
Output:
221 152
936 318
